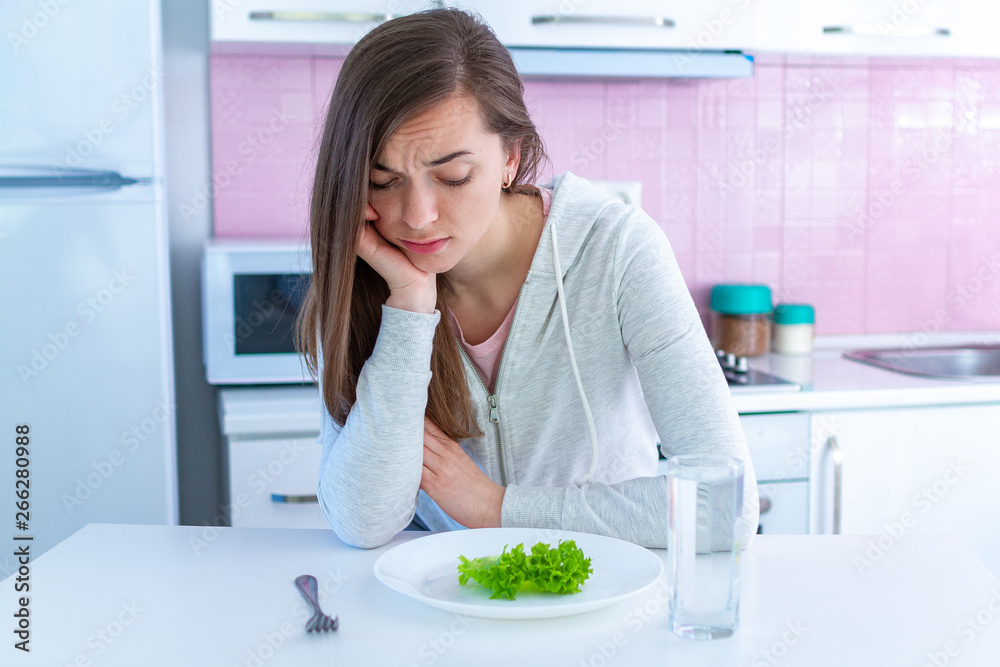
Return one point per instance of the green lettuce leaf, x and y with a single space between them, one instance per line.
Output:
562 569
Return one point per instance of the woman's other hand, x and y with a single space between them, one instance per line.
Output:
409 287
456 483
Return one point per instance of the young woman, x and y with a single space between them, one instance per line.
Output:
490 353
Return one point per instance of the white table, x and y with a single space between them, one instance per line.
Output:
180 596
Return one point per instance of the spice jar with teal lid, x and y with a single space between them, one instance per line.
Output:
741 319
794 328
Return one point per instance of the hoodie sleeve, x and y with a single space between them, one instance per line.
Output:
684 389
370 468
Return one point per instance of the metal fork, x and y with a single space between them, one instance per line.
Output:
319 622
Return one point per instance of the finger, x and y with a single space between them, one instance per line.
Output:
375 244
439 444
428 480
368 243
433 428
433 457
432 432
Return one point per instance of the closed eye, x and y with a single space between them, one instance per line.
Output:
381 186
388 184
456 184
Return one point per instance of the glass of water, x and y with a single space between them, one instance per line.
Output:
704 538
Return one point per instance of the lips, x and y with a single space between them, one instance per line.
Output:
424 247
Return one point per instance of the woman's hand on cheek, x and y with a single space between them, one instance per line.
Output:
456 483
409 287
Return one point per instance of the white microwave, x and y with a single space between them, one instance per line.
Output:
251 295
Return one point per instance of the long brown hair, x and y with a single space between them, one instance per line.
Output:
396 71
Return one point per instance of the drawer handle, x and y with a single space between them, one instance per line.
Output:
338 17
765 505
877 30
655 21
838 466
293 499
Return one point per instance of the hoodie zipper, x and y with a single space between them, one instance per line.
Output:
492 398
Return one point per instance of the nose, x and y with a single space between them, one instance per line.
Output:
419 206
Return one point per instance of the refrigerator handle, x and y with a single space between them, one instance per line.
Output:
30 179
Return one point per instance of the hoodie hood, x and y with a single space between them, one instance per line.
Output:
569 192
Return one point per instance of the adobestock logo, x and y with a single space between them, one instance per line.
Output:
102 639
121 108
968 629
881 202
131 439
433 649
262 310
597 147
780 647
249 149
88 310
31 25
929 496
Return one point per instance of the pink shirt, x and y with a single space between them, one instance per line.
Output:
486 355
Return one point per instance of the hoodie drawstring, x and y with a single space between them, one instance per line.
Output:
572 360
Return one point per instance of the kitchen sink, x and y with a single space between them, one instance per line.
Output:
967 362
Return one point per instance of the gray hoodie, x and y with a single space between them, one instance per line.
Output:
646 367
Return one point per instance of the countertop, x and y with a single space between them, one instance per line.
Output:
832 382
196 595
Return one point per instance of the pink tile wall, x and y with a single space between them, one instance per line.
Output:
867 187
266 113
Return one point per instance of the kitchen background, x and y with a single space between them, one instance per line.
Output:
866 186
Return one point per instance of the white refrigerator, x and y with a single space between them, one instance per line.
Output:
86 367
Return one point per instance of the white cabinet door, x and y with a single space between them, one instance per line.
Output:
779 445
783 508
711 24
915 470
303 21
878 27
779 450
272 482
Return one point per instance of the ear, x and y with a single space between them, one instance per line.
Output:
513 159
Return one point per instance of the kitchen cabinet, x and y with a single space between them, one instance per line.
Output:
963 28
589 38
915 470
779 450
272 482
906 28
650 24
714 24
303 21
272 456
778 445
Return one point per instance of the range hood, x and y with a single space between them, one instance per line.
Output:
637 63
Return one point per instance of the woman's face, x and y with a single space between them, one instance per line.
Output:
435 189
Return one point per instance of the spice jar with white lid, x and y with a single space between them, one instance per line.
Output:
794 328
741 319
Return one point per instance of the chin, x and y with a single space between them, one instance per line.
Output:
433 263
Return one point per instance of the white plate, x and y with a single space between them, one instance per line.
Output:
427 569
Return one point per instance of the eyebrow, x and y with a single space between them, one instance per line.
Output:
434 163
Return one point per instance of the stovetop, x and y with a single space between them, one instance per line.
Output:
742 378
